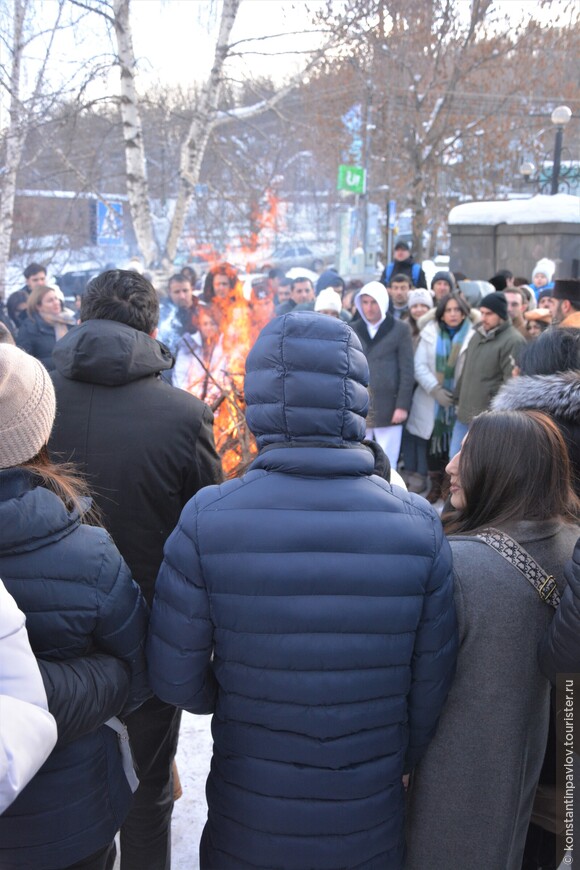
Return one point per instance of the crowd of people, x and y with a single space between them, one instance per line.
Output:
380 666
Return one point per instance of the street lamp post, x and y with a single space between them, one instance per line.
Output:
560 117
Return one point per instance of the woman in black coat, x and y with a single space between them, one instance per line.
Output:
79 599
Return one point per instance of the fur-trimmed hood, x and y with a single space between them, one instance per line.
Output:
557 395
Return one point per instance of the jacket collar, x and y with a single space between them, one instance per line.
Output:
318 461
489 336
30 515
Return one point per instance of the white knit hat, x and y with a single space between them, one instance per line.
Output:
328 300
545 267
420 297
27 406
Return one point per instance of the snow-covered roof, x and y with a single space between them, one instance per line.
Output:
561 208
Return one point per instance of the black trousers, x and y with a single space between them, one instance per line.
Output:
146 833
104 859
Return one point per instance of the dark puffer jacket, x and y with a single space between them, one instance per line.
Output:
78 597
560 649
310 604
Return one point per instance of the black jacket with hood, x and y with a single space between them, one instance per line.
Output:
145 447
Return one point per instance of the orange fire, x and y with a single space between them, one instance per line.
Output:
239 322
266 223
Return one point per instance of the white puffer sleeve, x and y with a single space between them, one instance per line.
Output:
27 730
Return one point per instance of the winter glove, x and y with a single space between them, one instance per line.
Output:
442 396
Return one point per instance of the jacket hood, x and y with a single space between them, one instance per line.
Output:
557 395
109 353
379 294
306 381
330 278
30 515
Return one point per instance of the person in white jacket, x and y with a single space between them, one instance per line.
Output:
438 360
27 730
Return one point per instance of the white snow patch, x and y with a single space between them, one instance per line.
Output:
561 208
190 813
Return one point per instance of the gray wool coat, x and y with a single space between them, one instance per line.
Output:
391 369
471 796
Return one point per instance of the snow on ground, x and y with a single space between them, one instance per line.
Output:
193 760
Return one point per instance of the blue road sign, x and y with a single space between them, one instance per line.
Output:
110 223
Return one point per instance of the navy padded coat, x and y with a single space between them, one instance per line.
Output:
79 598
309 604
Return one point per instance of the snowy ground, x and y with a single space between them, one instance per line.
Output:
189 815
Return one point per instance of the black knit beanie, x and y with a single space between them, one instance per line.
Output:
497 303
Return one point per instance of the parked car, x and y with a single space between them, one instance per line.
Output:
74 283
296 254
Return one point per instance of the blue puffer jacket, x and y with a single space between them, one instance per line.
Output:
310 605
78 597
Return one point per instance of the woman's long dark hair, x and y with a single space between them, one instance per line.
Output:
65 481
513 466
464 306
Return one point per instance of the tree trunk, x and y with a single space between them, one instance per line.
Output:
193 149
15 137
137 186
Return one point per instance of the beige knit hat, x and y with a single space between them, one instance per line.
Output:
27 406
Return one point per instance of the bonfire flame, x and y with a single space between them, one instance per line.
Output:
266 223
240 322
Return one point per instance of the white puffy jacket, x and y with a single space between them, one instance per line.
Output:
27 730
422 414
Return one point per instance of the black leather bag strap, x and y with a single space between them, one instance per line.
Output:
520 559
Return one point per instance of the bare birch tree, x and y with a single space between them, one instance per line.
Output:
206 118
21 114
137 184
14 138
33 82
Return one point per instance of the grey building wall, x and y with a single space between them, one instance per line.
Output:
481 250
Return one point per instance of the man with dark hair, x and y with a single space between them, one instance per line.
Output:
301 293
404 264
398 291
178 313
489 362
274 278
146 449
284 290
517 303
442 283
564 303
502 280
35 276
123 296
